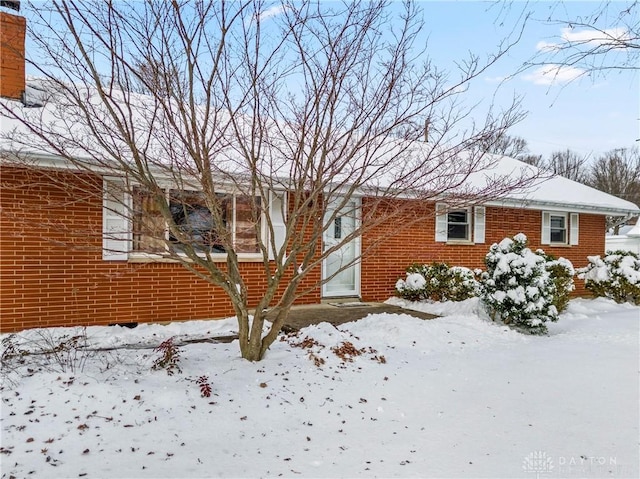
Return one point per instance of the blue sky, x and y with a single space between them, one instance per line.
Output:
588 115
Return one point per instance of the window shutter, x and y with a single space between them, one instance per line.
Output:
277 213
546 228
573 231
441 222
479 224
116 233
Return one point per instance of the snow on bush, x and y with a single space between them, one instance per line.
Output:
562 273
518 287
617 276
437 282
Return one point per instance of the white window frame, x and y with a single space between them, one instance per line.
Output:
117 226
476 224
571 222
468 223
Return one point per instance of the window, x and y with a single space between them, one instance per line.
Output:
460 224
133 221
196 223
148 223
559 228
235 224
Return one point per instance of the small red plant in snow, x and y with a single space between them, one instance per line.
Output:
205 387
169 357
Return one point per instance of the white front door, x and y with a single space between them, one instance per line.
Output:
341 268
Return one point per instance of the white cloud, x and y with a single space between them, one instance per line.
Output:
497 79
550 74
593 36
586 37
543 46
271 12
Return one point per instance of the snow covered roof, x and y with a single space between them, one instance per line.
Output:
635 231
51 109
559 193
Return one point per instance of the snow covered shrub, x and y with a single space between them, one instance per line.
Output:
437 282
412 288
617 276
562 273
517 288
460 284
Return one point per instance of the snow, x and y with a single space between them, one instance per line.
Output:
394 164
613 266
457 396
560 194
414 281
635 231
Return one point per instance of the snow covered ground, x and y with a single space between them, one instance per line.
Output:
457 396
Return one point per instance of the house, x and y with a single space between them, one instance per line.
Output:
61 263
627 240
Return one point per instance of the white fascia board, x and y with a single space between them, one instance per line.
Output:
565 207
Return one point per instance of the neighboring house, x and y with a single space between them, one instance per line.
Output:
57 268
627 240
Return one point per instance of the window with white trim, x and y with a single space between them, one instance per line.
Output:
460 224
133 222
559 228
195 222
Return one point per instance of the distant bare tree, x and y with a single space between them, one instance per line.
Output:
259 130
535 160
569 164
507 145
618 172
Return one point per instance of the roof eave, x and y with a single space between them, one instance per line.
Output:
568 207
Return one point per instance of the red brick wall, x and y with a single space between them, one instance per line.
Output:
52 272
384 263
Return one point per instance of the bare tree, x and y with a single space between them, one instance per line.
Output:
507 145
257 130
569 164
618 172
607 39
512 146
533 159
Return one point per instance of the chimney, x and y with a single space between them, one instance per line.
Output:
13 29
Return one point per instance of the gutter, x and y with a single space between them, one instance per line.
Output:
47 160
568 207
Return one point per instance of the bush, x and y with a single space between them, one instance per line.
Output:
517 287
562 273
617 276
437 282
